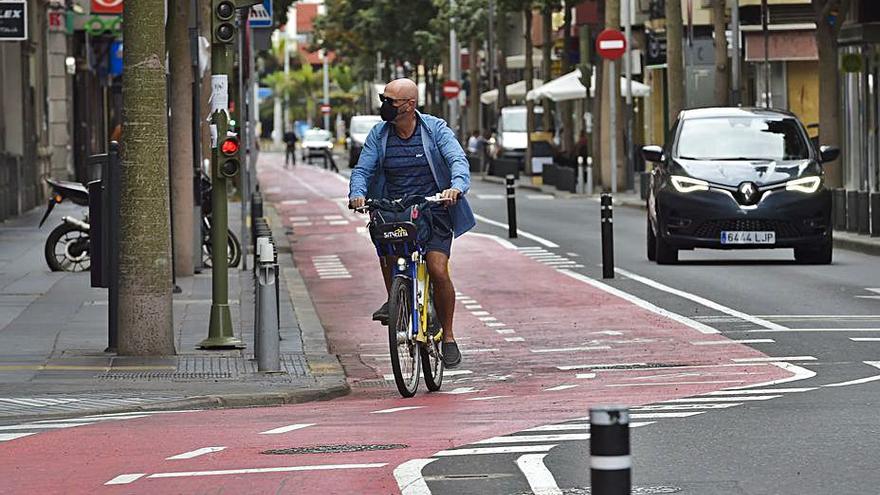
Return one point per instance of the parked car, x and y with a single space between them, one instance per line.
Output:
739 178
316 142
358 130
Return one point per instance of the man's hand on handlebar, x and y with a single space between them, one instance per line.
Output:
356 203
451 195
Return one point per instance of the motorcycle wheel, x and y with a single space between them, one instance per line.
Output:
67 249
233 250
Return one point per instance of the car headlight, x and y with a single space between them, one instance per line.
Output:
804 184
687 184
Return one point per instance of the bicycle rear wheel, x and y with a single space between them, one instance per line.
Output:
432 359
405 355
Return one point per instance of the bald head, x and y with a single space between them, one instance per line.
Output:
402 89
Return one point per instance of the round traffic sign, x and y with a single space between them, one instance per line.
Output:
451 89
325 108
611 44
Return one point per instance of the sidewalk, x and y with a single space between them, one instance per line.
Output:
53 332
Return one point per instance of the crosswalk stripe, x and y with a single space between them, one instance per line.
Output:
723 399
673 407
540 478
562 437
512 449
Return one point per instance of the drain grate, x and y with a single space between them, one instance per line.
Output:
335 449
165 376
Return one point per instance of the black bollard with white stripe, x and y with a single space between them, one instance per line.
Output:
607 216
511 206
610 462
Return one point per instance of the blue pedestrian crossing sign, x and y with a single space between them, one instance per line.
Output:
261 15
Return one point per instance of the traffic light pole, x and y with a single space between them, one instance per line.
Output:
224 164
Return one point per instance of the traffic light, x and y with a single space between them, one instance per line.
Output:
224 21
229 164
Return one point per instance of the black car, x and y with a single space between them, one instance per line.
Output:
739 178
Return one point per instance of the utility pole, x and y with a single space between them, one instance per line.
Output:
765 21
737 67
279 120
490 45
326 89
674 65
454 72
225 164
194 21
628 115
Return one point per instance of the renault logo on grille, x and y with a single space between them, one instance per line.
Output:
748 193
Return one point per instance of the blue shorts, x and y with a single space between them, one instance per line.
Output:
441 237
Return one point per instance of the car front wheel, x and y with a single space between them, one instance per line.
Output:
815 255
652 243
665 254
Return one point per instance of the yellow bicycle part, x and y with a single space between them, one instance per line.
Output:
423 279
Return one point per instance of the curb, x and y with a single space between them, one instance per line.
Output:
858 243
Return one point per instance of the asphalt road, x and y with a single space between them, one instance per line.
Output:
815 441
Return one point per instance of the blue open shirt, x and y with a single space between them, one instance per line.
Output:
447 160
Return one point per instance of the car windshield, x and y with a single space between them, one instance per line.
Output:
516 121
742 138
363 126
317 135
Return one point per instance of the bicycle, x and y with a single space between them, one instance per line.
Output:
414 332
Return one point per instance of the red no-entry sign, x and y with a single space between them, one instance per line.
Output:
611 44
325 108
451 89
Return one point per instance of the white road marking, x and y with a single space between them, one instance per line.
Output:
91 419
800 373
461 390
573 255
666 384
661 415
679 407
124 479
490 398
448 373
490 196
700 327
480 313
333 217
302 224
701 300
571 349
467 300
560 387
764 391
527 235
396 409
771 359
35 426
540 196
844 330
505 331
722 399
285 429
596 366
540 478
476 351
859 381
865 339
195 453
5 437
585 376
487 318
728 342
283 469
293 202
514 339
473 306
530 248
562 427
409 477
299 219
338 222
513 449
493 324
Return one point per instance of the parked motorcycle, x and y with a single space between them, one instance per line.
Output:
67 248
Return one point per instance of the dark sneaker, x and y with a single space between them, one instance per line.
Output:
381 314
451 355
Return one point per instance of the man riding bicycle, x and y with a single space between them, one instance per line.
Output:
412 153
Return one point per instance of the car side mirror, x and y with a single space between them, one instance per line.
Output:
652 153
828 154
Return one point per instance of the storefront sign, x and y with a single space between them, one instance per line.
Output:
13 21
655 54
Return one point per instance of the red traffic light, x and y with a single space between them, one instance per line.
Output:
229 146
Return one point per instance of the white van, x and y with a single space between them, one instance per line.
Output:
359 129
512 137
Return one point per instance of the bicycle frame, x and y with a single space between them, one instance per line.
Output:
416 269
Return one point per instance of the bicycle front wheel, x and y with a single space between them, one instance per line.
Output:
405 355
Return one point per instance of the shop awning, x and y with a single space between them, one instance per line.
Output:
569 87
515 90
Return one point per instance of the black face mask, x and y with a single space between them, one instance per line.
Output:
388 111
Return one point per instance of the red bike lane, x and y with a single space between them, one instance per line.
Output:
540 346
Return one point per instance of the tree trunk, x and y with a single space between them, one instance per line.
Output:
674 61
722 74
829 80
145 318
529 76
474 97
566 106
501 32
181 137
546 65
612 21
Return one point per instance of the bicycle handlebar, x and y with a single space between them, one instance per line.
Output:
371 203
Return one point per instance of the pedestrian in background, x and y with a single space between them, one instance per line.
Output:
290 156
473 144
